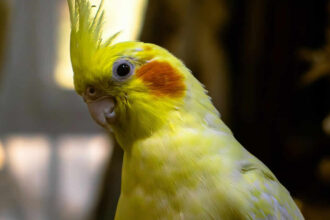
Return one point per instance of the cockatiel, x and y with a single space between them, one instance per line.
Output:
180 160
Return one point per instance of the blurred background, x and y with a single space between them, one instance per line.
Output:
266 65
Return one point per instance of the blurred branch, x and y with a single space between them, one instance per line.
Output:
319 60
4 20
106 205
320 66
326 125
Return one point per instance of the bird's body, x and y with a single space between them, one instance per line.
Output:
193 168
175 178
181 161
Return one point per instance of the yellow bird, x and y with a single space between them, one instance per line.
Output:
181 161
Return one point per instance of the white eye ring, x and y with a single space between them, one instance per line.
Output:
122 69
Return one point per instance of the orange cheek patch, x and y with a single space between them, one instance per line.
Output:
162 79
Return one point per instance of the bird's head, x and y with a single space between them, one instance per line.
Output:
132 88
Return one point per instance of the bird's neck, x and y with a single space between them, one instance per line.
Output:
152 164
146 126
153 116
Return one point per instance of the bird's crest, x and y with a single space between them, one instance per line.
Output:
86 31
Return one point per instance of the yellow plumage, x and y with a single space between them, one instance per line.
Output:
181 161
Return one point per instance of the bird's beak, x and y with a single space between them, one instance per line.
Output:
102 110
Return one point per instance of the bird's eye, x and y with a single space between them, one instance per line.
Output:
122 69
91 91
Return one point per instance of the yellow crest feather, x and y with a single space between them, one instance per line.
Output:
86 31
